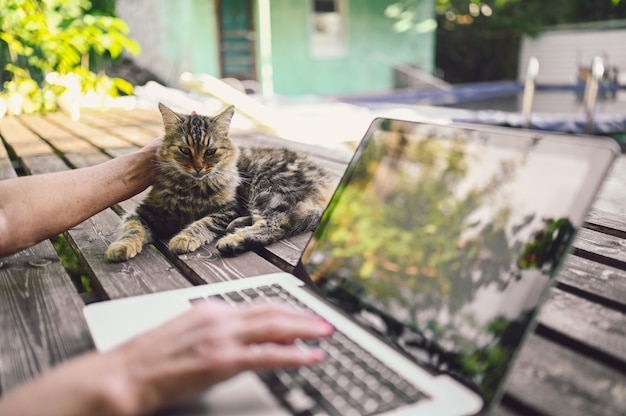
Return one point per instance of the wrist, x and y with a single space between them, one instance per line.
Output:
116 391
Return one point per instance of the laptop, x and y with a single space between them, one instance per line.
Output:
430 260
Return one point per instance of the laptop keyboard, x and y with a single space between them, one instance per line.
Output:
349 382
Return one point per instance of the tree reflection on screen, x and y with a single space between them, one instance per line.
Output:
421 237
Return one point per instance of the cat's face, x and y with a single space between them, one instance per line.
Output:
197 146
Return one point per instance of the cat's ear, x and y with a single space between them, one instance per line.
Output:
222 120
171 120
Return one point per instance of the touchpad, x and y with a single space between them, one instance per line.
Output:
242 395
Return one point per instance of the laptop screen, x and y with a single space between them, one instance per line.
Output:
443 239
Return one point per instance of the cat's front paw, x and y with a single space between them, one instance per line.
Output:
121 251
231 244
183 243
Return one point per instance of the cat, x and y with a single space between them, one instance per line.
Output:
207 188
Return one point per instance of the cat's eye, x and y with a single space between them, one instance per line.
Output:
184 150
210 152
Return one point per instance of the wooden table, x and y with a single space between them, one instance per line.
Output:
574 363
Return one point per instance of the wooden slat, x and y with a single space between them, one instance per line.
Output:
590 323
78 152
138 135
596 279
97 137
557 381
286 253
606 248
206 265
6 169
608 220
24 142
148 272
28 146
138 117
41 319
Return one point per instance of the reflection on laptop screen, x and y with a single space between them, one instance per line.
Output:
444 239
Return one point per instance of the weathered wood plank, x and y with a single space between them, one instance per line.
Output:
286 253
29 147
596 279
6 169
557 381
138 116
207 265
605 248
609 221
77 151
590 323
137 135
96 137
148 272
41 319
21 139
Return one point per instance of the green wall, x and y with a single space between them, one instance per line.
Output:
191 34
296 72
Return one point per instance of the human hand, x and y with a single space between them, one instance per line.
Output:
153 146
211 343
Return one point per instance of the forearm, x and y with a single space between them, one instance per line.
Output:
94 384
34 208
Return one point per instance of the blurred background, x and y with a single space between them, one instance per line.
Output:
342 60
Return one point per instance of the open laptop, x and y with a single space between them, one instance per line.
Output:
431 260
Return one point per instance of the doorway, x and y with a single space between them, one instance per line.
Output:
237 39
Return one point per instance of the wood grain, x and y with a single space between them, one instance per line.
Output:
97 137
554 380
590 323
601 247
41 319
590 278
148 272
607 221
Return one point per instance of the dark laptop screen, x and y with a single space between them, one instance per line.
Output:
443 239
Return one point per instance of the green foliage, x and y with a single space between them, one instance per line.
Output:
478 40
72 265
49 46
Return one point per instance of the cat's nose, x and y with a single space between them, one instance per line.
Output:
198 169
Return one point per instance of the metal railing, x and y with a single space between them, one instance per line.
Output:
412 71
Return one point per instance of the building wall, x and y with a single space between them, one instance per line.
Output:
561 53
297 72
175 36
179 36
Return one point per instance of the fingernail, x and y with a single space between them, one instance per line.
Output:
325 327
317 354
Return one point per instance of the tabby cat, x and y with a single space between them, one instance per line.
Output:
207 188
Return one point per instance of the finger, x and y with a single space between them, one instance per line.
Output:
273 356
281 326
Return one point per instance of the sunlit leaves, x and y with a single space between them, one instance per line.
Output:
58 37
408 16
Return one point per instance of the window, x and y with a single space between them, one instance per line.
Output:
328 28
